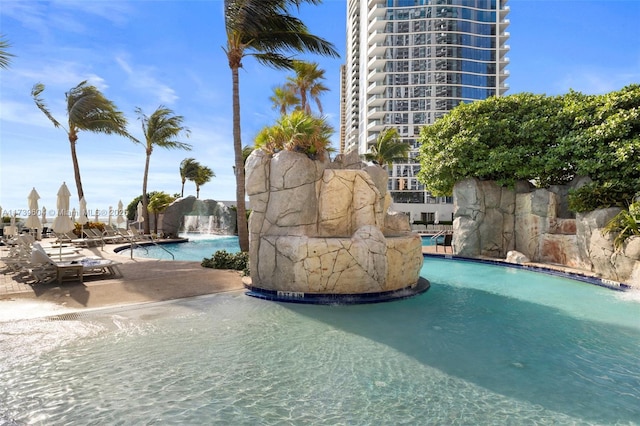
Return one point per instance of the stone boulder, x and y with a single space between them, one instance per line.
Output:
318 228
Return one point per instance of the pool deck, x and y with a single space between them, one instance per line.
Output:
150 280
142 281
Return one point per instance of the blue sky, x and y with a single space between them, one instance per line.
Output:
147 53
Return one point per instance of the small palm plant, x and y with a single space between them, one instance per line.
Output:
625 225
388 149
297 132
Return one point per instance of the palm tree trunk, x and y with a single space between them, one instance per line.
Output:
145 200
73 137
241 210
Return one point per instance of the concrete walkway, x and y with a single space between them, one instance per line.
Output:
142 280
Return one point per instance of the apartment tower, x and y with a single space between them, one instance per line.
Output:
409 62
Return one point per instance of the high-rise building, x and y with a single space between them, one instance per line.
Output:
409 62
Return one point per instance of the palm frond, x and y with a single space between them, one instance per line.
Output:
37 89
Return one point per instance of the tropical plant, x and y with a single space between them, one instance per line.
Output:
132 207
5 56
625 225
188 169
266 30
87 109
222 259
306 84
160 129
158 204
388 149
546 140
283 98
202 176
298 132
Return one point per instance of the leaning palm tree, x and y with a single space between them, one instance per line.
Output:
306 84
160 129
202 176
5 56
388 149
283 98
87 109
188 169
267 30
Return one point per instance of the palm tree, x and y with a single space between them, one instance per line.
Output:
157 204
283 98
87 109
160 129
306 84
188 168
388 149
271 33
298 132
5 57
202 176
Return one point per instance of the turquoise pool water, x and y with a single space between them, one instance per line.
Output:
485 345
198 247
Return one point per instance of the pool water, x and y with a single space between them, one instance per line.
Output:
199 247
485 345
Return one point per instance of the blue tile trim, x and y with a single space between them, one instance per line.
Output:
338 299
602 282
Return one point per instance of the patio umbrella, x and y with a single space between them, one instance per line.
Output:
63 223
140 217
436 217
120 219
110 213
44 217
96 219
82 219
33 219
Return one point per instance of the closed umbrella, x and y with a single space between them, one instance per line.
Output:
33 219
120 219
96 219
140 217
110 213
63 223
82 219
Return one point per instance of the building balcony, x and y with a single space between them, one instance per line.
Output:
376 24
377 74
376 11
376 49
375 125
375 88
376 37
376 62
375 100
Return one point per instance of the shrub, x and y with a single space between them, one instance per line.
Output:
625 225
224 260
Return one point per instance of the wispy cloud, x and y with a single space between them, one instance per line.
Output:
142 78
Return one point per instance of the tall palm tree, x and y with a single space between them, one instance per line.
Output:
160 129
307 85
388 149
283 98
188 169
202 176
5 56
87 109
267 30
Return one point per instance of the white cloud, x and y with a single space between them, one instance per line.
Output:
142 78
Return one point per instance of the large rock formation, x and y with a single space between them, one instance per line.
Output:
490 220
190 214
318 229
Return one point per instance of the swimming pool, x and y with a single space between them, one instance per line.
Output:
485 345
198 247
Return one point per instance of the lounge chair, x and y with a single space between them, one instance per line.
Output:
48 270
448 238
